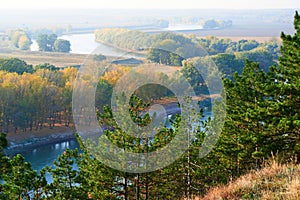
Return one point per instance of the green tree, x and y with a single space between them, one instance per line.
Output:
46 42
259 55
65 177
3 158
164 57
51 40
46 66
99 57
247 45
263 110
194 77
15 65
285 92
245 137
228 64
42 41
61 45
21 182
101 100
209 24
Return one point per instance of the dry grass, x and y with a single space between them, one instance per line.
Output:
275 181
35 57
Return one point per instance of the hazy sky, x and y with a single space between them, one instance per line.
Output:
141 4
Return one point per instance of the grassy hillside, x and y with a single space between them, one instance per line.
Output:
275 181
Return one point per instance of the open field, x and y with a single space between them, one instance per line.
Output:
260 31
35 57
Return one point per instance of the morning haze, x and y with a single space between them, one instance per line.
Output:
148 100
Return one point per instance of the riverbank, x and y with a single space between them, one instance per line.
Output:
59 133
31 139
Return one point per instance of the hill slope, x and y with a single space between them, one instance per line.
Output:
275 181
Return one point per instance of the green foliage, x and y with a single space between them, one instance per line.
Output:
285 90
272 46
3 142
96 178
21 182
99 57
210 24
167 48
214 45
244 131
176 44
247 45
123 38
194 77
15 65
46 66
101 100
46 42
110 183
164 57
65 178
172 49
262 111
213 24
61 45
259 55
150 92
228 64
3 158
262 118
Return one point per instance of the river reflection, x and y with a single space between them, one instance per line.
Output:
44 155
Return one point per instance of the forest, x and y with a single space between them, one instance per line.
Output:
170 48
261 85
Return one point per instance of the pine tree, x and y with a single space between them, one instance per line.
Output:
242 137
65 178
3 159
21 182
284 93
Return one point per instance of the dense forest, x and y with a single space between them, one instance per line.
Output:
262 118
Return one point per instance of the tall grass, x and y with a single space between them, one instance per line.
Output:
274 181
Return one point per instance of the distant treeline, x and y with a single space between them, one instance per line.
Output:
171 49
205 23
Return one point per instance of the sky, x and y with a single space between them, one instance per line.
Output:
155 4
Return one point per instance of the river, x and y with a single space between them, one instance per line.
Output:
85 44
45 155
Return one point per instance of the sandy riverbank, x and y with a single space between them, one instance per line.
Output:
30 139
